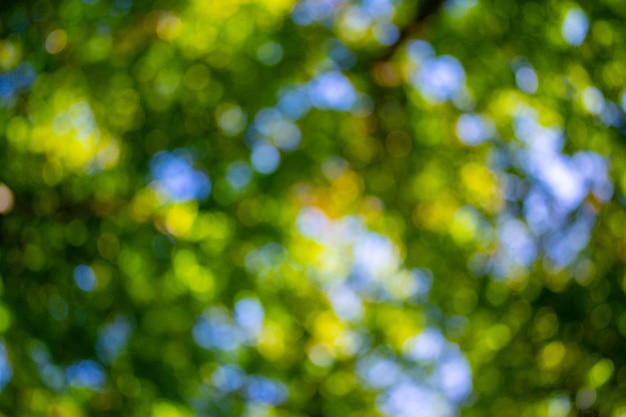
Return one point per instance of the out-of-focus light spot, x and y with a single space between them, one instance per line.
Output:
112 339
459 8
341 55
232 120
15 82
267 256
526 79
519 245
307 12
239 175
217 332
167 81
51 375
420 51
176 179
270 53
585 398
334 167
311 222
265 120
265 158
281 132
564 181
378 372
249 315
423 280
346 303
594 168
600 373
286 135
593 100
85 278
380 9
321 355
375 254
168 26
611 116
355 22
562 246
537 210
455 376
440 79
164 408
6 199
6 371
560 406
294 102
408 400
86 374
56 41
427 346
561 184
544 161
575 26
228 378
473 129
265 390
386 33
9 55
332 90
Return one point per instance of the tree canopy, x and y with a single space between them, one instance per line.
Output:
280 208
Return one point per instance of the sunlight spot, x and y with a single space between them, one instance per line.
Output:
228 378
86 374
427 346
6 199
176 179
239 175
249 315
294 102
593 100
85 278
575 26
455 377
56 41
332 90
440 79
386 33
559 406
526 79
409 400
265 390
474 129
112 339
6 371
270 53
265 158
232 120
378 372
346 303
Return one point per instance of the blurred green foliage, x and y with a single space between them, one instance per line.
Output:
316 208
